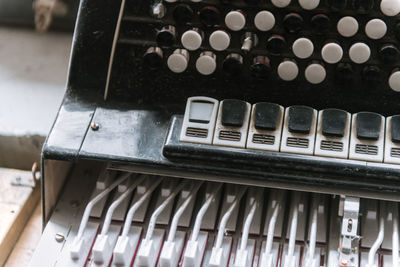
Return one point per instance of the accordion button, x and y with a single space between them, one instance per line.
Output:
337 4
235 20
233 64
276 44
363 6
390 8
281 3
261 67
166 37
375 29
389 53
192 39
332 53
315 73
372 74
288 70
206 63
233 112
152 59
309 4
394 81
359 53
266 116
178 61
293 22
209 16
300 119
368 125
264 21
320 23
183 14
303 48
395 128
334 122
347 26
344 72
219 40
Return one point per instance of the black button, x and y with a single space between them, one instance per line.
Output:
233 64
183 14
261 67
320 23
293 22
300 119
372 74
266 116
395 128
233 112
368 125
166 37
209 16
152 59
337 4
334 122
389 53
276 44
363 6
344 72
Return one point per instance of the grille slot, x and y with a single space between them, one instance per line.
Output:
264 139
230 136
196 132
332 146
366 149
395 152
297 142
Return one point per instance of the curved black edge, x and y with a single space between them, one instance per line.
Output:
295 168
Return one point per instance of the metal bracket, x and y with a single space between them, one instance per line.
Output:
27 181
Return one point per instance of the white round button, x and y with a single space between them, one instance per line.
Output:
235 20
303 48
264 21
309 4
315 73
206 63
394 81
347 26
280 3
288 70
191 40
219 40
390 7
375 29
359 53
178 61
332 53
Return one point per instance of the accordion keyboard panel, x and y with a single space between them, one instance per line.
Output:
144 220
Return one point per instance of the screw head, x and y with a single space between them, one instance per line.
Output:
59 237
94 126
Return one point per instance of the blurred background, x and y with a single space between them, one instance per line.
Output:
35 43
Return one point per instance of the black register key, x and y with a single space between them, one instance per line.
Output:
368 125
334 122
300 119
266 116
395 128
233 112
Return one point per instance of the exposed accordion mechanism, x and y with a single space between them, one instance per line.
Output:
217 133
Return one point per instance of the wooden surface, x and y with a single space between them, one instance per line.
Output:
17 204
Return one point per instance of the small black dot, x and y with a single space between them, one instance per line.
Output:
276 44
152 60
293 22
183 14
320 23
389 53
209 16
